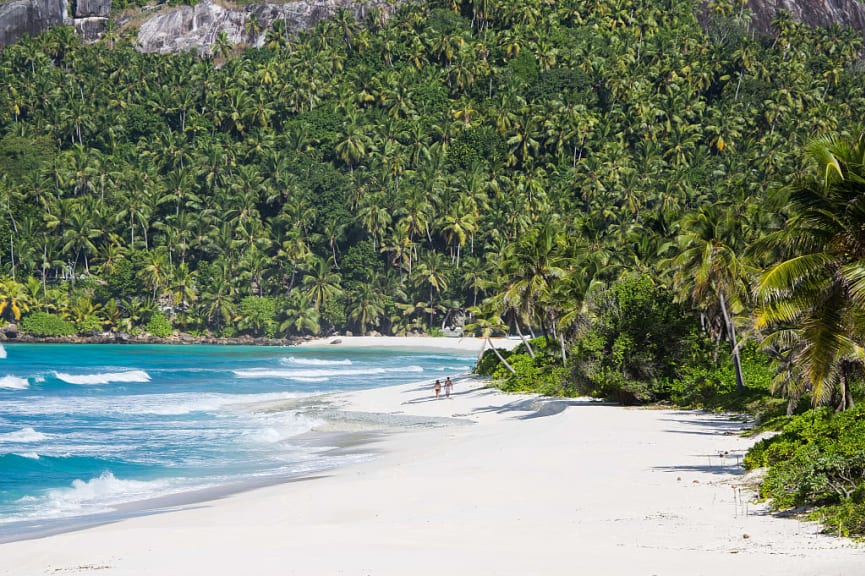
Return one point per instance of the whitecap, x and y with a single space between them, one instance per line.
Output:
292 360
319 373
2 352
30 455
14 383
104 377
100 492
278 429
311 379
24 435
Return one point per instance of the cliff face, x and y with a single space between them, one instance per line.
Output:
812 12
21 17
196 28
33 17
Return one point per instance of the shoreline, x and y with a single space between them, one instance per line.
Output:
416 342
533 486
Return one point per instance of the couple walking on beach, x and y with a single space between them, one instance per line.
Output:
448 387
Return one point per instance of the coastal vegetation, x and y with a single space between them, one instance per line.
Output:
663 207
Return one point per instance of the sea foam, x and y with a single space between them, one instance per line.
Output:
104 377
14 383
319 373
2 352
101 493
293 361
24 435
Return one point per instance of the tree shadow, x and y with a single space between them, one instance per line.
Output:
708 424
540 407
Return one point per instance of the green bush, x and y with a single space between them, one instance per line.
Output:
635 346
258 315
818 459
44 324
89 326
489 362
713 386
159 325
846 519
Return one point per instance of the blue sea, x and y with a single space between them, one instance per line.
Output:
88 430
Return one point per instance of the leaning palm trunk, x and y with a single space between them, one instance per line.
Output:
523 338
500 357
731 330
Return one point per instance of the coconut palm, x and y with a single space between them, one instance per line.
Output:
816 294
708 273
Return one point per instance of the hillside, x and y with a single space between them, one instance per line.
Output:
384 174
169 28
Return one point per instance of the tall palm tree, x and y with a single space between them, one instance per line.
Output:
322 284
816 294
709 273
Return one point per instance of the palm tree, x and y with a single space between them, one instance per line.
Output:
14 299
300 315
321 283
813 300
367 306
709 273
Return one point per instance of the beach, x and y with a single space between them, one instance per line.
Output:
499 484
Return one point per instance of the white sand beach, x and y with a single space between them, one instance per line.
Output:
527 486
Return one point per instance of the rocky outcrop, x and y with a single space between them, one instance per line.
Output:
90 29
92 8
91 18
33 17
196 28
812 12
20 17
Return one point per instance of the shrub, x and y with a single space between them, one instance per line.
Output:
846 519
258 315
91 325
159 325
489 362
44 324
633 349
818 459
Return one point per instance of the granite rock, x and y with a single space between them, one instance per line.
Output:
185 28
33 17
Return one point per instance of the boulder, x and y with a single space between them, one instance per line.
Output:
184 28
92 8
11 330
33 17
90 29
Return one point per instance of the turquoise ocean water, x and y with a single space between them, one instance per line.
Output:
88 429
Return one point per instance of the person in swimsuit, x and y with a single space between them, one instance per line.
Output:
438 388
448 387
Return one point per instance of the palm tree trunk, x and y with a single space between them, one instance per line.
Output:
500 357
523 338
562 344
731 330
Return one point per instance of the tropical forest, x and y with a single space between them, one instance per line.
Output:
662 203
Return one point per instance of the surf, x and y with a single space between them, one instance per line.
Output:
103 377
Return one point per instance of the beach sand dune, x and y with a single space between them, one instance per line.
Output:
530 487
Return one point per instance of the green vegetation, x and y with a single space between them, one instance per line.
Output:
44 324
818 458
674 207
